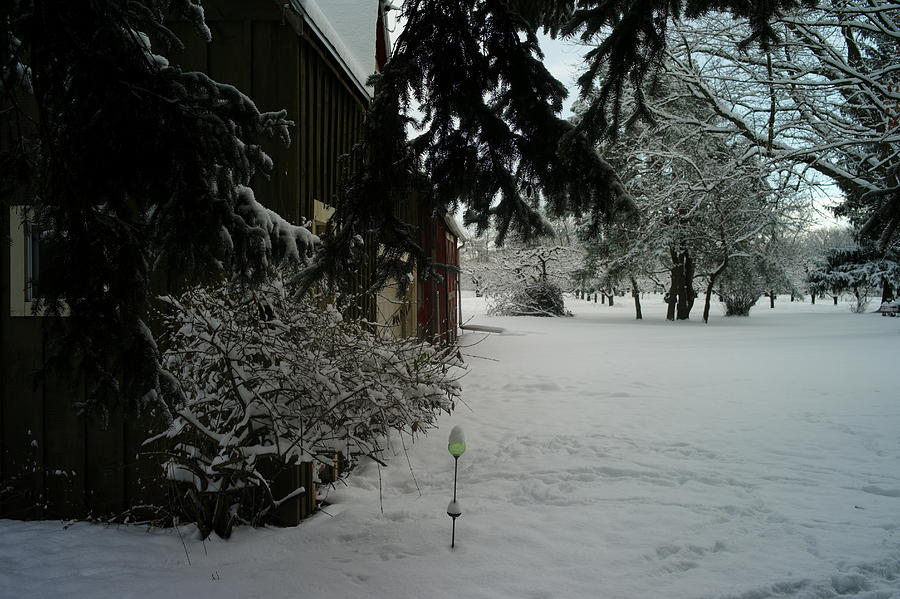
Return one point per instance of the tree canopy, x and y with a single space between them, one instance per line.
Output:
490 126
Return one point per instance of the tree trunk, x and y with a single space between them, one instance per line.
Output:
686 287
772 299
709 288
812 295
611 300
887 291
636 294
672 296
835 299
792 296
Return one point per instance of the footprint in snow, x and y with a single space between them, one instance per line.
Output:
532 387
873 490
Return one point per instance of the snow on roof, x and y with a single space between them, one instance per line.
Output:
350 27
454 227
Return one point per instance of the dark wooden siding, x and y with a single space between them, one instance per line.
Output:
56 464
256 50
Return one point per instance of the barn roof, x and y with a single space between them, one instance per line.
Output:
348 28
454 227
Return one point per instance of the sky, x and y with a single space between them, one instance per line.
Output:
564 61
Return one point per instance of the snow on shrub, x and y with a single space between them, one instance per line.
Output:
536 298
741 286
263 381
526 281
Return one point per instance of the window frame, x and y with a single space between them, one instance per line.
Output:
24 262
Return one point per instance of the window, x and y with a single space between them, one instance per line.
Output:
323 213
28 258
32 260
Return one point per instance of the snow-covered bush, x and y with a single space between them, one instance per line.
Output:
861 300
537 298
740 287
262 381
526 281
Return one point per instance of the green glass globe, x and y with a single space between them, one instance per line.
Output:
457 444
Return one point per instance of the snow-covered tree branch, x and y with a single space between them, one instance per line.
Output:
823 99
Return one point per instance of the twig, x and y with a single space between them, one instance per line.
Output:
411 473
481 357
183 544
380 493
473 344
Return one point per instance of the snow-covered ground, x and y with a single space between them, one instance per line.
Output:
749 458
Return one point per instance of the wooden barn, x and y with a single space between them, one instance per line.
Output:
438 314
430 308
312 58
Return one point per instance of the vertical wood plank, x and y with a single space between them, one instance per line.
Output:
275 87
320 130
105 459
330 151
264 76
289 51
64 448
306 132
23 426
226 59
341 139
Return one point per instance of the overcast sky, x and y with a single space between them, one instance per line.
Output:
564 60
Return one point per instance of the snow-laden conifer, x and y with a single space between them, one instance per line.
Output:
134 169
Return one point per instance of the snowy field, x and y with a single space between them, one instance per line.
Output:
608 458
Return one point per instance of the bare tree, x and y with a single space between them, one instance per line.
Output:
527 279
702 200
822 101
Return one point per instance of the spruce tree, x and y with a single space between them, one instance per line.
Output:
134 169
856 269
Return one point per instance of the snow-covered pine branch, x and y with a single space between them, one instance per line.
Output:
136 170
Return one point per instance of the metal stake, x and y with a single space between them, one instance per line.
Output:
456 446
455 469
454 516
453 534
